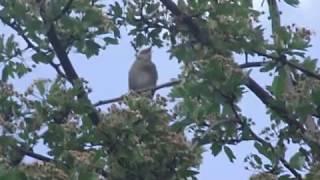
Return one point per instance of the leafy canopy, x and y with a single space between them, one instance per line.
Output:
139 138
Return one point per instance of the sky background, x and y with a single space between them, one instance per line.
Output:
107 76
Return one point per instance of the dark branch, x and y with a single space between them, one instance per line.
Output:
269 101
49 160
251 84
213 125
56 67
30 44
265 143
71 74
35 155
187 20
284 60
252 64
168 84
20 32
65 62
172 83
63 11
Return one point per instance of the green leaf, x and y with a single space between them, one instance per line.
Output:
316 96
110 40
181 125
86 174
257 159
284 35
188 173
92 17
12 174
6 72
310 64
116 32
141 40
298 43
292 2
151 8
117 9
41 57
216 148
279 84
285 177
264 150
92 48
182 53
41 87
297 161
21 69
10 45
229 153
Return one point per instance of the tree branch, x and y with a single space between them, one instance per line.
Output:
56 67
71 74
168 84
251 84
187 20
63 11
252 64
172 83
284 60
268 100
35 155
265 143
30 44
213 124
49 160
66 64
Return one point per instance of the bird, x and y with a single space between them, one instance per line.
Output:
143 72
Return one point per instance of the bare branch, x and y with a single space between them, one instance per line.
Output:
252 64
35 155
168 84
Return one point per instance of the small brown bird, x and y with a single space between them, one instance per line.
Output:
143 72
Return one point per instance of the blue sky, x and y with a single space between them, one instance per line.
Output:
107 75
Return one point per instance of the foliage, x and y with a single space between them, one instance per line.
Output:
139 138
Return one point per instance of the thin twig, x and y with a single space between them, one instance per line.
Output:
170 84
50 160
58 70
212 126
284 60
30 44
252 64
